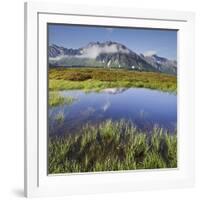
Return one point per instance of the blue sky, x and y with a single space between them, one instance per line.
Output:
161 42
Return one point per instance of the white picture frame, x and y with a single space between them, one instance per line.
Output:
37 182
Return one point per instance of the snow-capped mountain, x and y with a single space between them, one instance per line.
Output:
107 54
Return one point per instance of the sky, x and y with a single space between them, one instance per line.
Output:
146 41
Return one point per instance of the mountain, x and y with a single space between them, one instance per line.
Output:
108 54
55 51
162 64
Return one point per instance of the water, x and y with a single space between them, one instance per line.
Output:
144 107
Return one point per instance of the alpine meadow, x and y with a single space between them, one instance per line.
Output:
112 98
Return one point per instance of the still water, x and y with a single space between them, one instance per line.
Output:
144 107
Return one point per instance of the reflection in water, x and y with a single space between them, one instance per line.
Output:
106 105
143 114
144 107
114 90
87 112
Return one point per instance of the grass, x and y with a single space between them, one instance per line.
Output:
60 116
56 99
112 146
100 78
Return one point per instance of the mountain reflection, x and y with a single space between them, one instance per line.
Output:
114 90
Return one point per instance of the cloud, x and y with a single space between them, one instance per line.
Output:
57 58
110 30
94 51
150 53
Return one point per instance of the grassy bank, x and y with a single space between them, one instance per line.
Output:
56 99
100 78
112 146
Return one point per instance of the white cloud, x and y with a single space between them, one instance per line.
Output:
94 51
110 30
150 53
57 58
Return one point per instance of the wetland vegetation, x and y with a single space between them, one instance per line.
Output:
108 145
112 146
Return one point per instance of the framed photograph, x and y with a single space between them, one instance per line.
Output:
109 99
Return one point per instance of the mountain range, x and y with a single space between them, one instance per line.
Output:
109 54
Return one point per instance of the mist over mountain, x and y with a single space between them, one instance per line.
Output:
109 54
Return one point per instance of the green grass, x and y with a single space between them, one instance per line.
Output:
112 146
100 78
56 99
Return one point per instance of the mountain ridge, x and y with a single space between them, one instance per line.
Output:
109 54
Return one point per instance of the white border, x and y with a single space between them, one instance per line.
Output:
37 183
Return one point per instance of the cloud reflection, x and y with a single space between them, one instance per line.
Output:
106 106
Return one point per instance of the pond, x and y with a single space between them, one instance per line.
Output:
144 107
